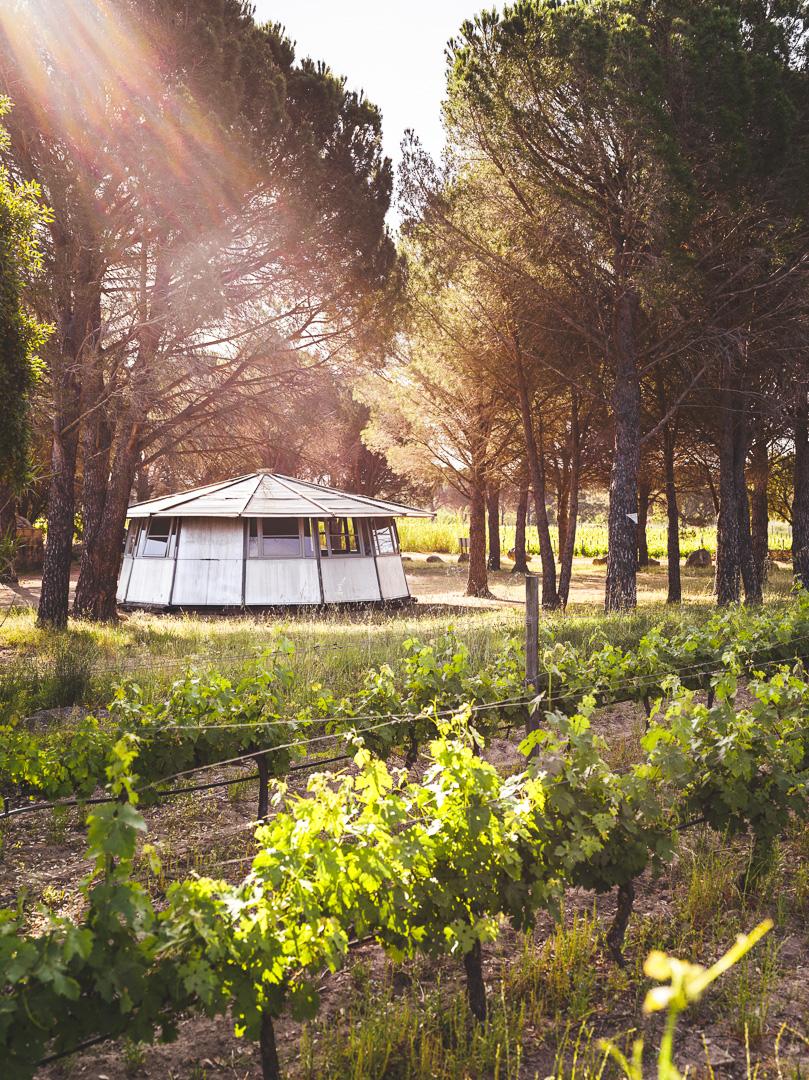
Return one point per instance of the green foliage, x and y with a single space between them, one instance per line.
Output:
607 826
739 769
429 680
207 718
21 216
431 865
204 719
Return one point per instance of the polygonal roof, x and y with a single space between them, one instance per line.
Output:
263 494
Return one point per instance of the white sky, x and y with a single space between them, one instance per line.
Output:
391 49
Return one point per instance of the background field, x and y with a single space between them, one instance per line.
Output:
441 536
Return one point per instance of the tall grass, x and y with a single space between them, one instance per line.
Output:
415 1035
60 676
82 665
441 536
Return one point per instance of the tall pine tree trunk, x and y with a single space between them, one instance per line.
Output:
800 500
550 596
747 566
520 554
727 580
563 508
566 551
759 507
98 580
477 582
96 446
142 488
77 337
644 493
621 592
55 594
675 593
493 514
99 573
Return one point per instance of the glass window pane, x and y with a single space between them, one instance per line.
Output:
344 536
353 536
157 537
308 546
160 527
384 543
252 538
275 538
276 547
132 538
336 536
324 543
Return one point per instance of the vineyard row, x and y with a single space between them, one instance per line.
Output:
426 866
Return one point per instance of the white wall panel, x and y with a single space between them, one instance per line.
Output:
211 538
347 579
281 581
150 581
208 583
209 563
123 577
392 577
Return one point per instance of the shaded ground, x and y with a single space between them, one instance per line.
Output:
443 583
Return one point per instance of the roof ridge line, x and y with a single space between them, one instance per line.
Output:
314 502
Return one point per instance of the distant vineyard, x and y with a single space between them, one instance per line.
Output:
441 536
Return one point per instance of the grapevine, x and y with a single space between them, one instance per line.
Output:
429 865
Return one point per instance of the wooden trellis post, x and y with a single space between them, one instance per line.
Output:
531 642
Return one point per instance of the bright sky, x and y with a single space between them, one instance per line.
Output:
391 49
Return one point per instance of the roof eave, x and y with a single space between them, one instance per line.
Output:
139 512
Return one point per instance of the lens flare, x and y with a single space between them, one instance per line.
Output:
115 91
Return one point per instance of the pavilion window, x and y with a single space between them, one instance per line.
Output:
384 536
132 537
279 538
159 541
344 536
308 541
252 538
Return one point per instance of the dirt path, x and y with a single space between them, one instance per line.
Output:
26 592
